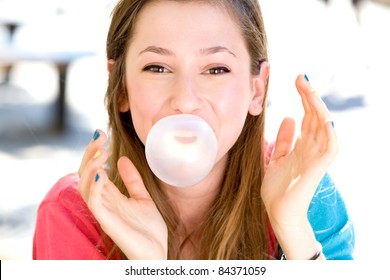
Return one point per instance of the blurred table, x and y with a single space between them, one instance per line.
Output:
10 26
10 55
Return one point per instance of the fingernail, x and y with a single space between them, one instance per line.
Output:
333 124
97 177
96 135
97 154
306 78
317 94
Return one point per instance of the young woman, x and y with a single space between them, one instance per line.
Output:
208 59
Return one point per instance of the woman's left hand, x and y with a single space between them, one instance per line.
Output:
295 170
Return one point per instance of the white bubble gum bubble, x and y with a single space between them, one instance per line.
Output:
181 149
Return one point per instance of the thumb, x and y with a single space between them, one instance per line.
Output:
132 179
285 139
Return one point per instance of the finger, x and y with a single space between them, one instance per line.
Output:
314 102
104 203
301 83
313 131
132 179
95 194
284 139
318 123
326 156
99 138
104 193
89 173
332 147
307 125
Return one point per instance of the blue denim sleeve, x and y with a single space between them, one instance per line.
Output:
330 221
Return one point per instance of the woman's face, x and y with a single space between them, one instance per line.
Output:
190 58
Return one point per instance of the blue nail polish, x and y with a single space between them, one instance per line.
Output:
332 124
306 78
96 135
97 177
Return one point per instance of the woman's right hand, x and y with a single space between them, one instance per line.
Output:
133 223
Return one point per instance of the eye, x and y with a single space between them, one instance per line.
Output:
217 70
156 69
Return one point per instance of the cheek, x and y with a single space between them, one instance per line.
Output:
230 131
140 127
232 118
141 110
236 103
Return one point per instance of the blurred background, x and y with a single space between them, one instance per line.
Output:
53 79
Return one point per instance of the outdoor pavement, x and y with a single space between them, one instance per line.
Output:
344 53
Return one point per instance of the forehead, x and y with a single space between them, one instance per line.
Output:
186 5
186 20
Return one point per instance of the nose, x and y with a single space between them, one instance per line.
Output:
185 97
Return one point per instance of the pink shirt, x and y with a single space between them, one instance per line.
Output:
65 228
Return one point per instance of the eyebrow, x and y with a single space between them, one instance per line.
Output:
216 49
206 51
157 50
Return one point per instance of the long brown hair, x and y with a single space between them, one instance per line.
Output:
236 226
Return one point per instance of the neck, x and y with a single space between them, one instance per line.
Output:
192 203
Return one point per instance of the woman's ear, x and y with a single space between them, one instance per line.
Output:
110 64
124 105
124 102
259 88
